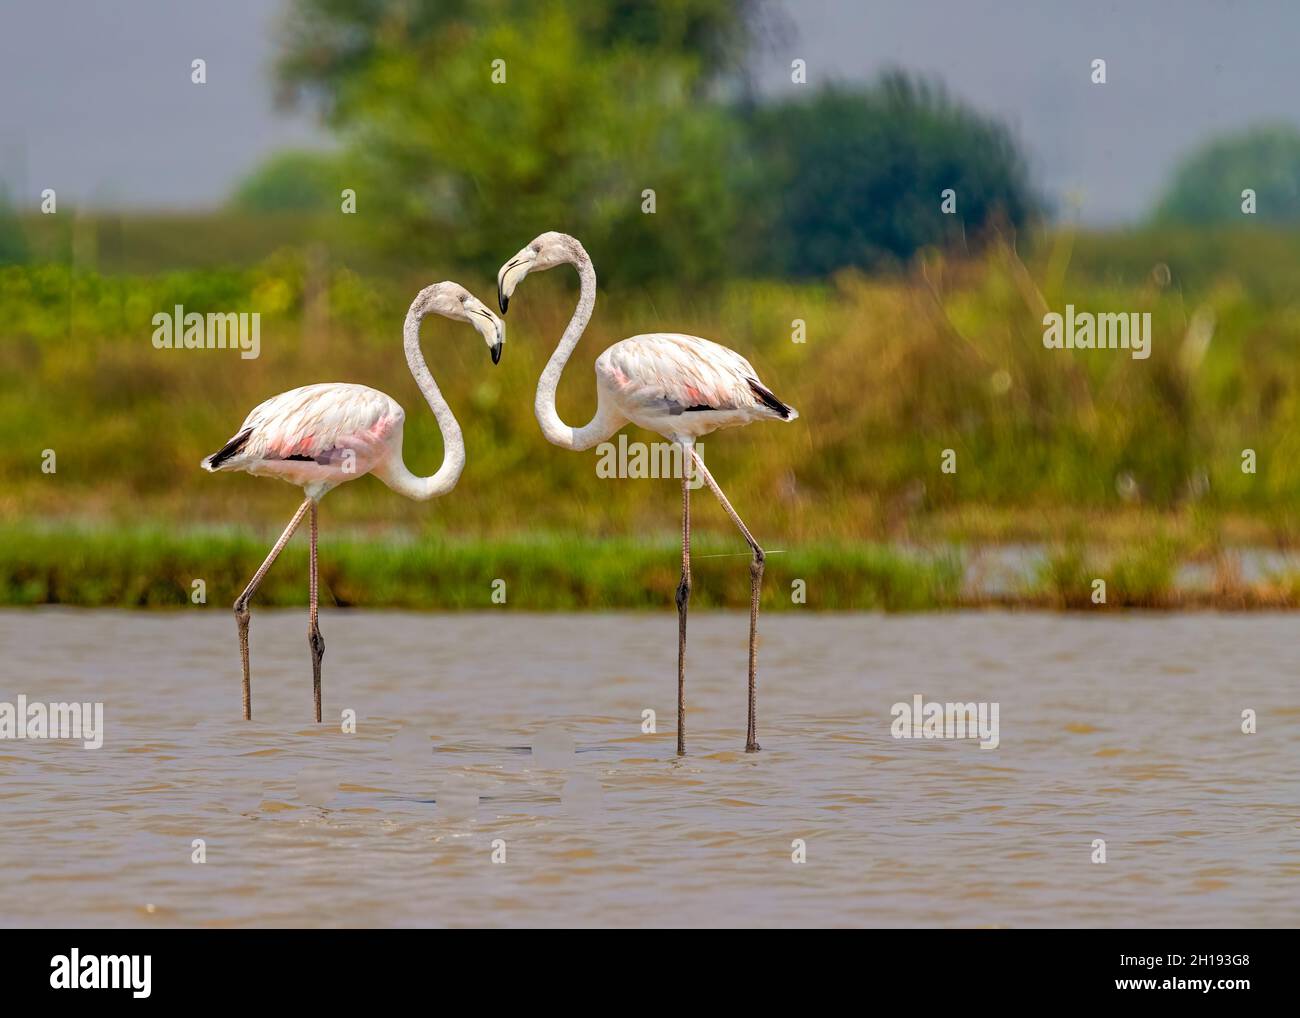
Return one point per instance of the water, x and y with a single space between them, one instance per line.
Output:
525 731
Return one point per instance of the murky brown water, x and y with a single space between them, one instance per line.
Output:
1121 728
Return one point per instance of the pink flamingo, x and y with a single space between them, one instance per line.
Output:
679 386
319 436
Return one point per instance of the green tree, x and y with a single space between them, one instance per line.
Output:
854 177
292 181
326 45
1207 185
454 165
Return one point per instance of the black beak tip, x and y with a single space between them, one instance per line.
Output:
496 353
502 301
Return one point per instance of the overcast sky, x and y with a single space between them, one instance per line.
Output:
90 103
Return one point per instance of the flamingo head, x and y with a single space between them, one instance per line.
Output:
546 251
451 300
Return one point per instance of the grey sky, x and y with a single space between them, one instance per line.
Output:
95 97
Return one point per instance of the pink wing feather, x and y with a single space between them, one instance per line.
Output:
311 422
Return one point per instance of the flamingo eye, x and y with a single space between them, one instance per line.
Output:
537 249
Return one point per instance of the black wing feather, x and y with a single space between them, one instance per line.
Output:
768 399
229 450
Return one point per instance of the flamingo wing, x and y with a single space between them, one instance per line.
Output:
311 423
667 372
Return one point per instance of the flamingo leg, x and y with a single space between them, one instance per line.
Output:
755 591
241 603
314 639
683 601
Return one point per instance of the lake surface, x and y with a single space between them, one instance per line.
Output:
525 730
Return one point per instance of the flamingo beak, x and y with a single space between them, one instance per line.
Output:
510 274
492 328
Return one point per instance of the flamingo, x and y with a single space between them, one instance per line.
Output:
679 386
319 436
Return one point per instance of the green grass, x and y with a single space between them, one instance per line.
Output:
1137 576
148 567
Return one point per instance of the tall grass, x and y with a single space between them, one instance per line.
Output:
894 371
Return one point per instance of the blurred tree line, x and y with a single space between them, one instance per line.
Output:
469 126
1207 189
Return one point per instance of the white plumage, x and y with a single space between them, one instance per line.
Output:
679 386
318 436
684 386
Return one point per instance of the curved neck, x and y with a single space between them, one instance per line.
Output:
395 474
604 423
